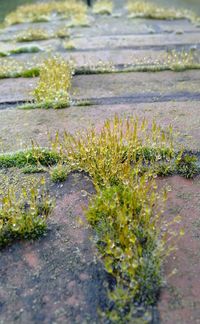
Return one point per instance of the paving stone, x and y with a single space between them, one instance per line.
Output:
55 279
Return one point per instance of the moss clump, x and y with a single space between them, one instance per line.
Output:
187 165
11 68
25 49
69 45
33 157
32 34
150 10
62 32
103 7
125 213
59 173
54 83
23 215
130 243
39 12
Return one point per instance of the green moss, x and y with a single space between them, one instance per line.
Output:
32 157
29 73
128 243
26 49
32 34
187 165
3 54
23 215
30 169
45 105
103 7
149 10
59 173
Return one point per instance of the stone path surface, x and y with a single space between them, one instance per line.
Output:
57 278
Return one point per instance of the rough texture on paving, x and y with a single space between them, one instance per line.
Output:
57 278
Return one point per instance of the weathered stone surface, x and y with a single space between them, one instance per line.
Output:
24 125
179 302
55 279
116 85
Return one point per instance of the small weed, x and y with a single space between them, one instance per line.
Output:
59 173
103 7
32 34
23 215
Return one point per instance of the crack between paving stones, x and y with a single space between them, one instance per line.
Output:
136 98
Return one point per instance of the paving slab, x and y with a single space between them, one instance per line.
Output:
57 278
135 41
22 126
134 87
179 302
108 57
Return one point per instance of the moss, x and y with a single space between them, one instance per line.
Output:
187 165
29 73
3 54
103 7
33 157
59 173
32 34
61 104
54 82
23 215
150 10
30 169
69 45
39 12
26 49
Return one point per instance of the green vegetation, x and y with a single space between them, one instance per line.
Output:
11 68
187 165
150 10
39 12
54 84
103 7
32 34
26 49
21 50
59 173
173 60
34 157
23 215
62 32
126 212
123 158
69 45
183 60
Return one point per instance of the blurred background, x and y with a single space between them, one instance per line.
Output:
7 6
